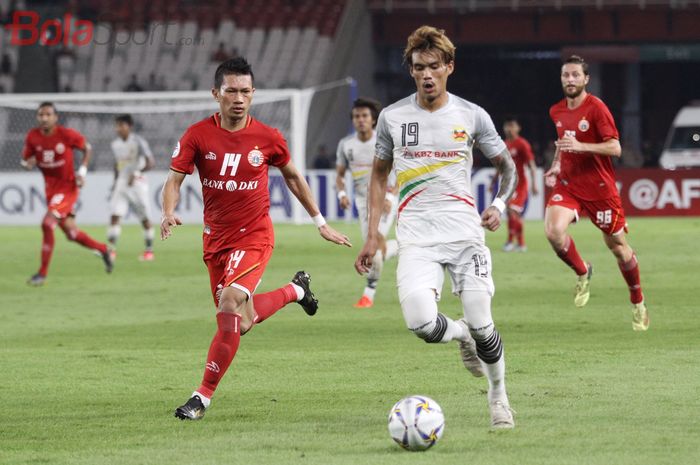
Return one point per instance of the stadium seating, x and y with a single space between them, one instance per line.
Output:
166 48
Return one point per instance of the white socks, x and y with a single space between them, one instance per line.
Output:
205 400
496 374
299 291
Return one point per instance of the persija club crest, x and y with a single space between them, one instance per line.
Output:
583 125
255 157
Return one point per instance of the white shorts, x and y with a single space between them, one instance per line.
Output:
135 196
421 267
385 222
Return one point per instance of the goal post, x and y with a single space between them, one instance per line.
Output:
160 117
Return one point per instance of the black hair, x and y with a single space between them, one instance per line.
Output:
510 119
47 104
238 66
374 107
125 118
577 60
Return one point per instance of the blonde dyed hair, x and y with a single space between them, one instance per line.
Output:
429 38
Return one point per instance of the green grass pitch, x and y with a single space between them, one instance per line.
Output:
93 365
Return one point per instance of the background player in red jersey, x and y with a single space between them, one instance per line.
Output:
50 147
522 155
232 152
583 179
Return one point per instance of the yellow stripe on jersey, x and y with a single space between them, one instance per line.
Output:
408 175
359 174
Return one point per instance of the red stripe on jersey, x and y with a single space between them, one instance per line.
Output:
461 198
410 197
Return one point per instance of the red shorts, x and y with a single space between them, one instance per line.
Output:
62 203
606 214
241 268
517 202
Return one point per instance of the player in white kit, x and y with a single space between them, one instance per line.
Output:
428 138
132 156
356 153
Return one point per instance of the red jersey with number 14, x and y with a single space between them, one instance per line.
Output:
233 169
521 153
54 156
587 175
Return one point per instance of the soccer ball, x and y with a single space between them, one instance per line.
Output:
416 423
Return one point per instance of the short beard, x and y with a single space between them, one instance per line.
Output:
577 92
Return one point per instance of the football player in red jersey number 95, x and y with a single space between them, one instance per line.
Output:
583 180
232 152
50 147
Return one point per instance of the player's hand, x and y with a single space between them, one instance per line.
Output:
79 180
388 205
363 263
130 182
344 202
535 191
29 163
166 224
550 177
491 218
332 235
568 143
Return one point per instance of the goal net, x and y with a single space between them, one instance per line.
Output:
160 117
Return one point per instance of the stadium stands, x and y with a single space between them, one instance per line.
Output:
287 42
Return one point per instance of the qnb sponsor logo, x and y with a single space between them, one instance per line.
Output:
213 367
230 185
645 194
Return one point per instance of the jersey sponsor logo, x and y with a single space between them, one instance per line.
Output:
231 185
231 160
408 154
48 156
255 157
569 132
176 152
459 134
584 125
60 148
210 156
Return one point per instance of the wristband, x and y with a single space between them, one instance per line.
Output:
499 204
318 220
82 171
390 197
342 194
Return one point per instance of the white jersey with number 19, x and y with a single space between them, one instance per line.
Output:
432 156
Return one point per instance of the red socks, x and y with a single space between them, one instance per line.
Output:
570 256
267 304
47 244
630 271
87 241
515 229
221 351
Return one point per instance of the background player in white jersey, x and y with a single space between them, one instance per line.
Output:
132 156
428 139
356 152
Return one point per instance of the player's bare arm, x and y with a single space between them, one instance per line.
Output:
377 195
550 177
491 218
171 196
609 148
340 187
301 190
28 164
82 170
533 176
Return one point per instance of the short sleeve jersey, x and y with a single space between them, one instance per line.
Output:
54 156
129 155
357 156
432 157
522 155
233 169
587 175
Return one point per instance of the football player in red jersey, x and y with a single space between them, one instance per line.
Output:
232 152
583 180
50 147
521 151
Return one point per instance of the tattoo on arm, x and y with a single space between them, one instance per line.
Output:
507 174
